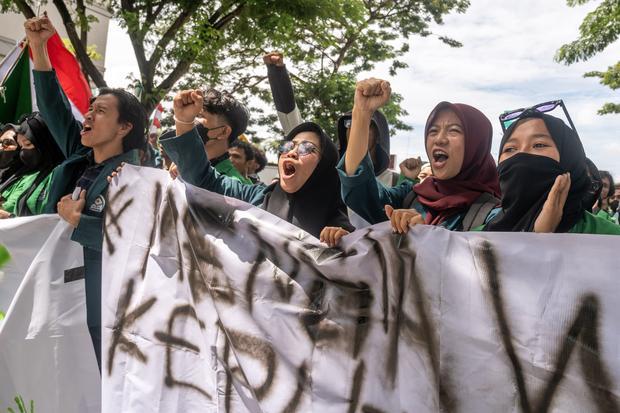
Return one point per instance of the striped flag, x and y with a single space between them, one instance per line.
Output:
17 95
156 120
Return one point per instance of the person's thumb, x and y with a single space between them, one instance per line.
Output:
388 211
83 194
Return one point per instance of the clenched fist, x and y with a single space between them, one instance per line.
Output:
411 167
371 94
39 30
274 58
187 105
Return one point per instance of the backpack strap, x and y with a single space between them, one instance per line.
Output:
409 200
479 210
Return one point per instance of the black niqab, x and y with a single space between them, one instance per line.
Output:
526 180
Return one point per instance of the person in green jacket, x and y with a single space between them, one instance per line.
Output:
464 187
24 193
113 132
544 180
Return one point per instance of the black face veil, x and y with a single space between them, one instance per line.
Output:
526 179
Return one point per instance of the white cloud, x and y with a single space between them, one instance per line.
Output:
507 62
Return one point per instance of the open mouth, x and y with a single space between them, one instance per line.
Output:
440 157
288 169
86 129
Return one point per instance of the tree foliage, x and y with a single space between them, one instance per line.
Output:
599 29
220 43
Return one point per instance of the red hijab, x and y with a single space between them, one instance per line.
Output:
444 198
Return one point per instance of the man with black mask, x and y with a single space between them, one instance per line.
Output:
24 192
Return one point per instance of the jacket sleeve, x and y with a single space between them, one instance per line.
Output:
283 97
188 153
367 196
89 232
56 112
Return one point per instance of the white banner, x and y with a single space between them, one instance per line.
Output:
47 360
210 305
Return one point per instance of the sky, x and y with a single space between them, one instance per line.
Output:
506 62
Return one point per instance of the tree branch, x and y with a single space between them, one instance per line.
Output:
242 84
152 15
343 52
81 12
181 68
136 38
169 35
25 9
87 64
229 17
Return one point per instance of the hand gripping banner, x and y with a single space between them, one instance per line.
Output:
211 305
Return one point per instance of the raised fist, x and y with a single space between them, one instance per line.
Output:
371 94
39 30
187 105
411 167
274 58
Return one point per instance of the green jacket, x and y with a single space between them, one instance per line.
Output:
225 167
589 224
606 216
592 224
36 202
187 152
56 112
11 195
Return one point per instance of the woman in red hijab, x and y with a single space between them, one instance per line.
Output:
464 187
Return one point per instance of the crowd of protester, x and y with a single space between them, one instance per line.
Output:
543 182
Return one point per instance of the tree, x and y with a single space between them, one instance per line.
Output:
220 43
599 29
325 57
169 36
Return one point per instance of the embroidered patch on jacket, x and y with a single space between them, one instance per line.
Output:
98 205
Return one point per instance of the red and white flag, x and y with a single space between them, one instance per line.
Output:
17 86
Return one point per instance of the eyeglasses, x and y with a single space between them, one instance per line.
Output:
509 117
304 148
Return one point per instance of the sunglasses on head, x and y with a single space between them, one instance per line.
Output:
509 117
304 148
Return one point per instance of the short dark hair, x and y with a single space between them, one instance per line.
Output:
130 110
235 113
246 147
260 158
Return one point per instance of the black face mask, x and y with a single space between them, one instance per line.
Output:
526 181
202 132
30 157
614 205
7 158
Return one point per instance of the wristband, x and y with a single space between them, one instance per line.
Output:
182 122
